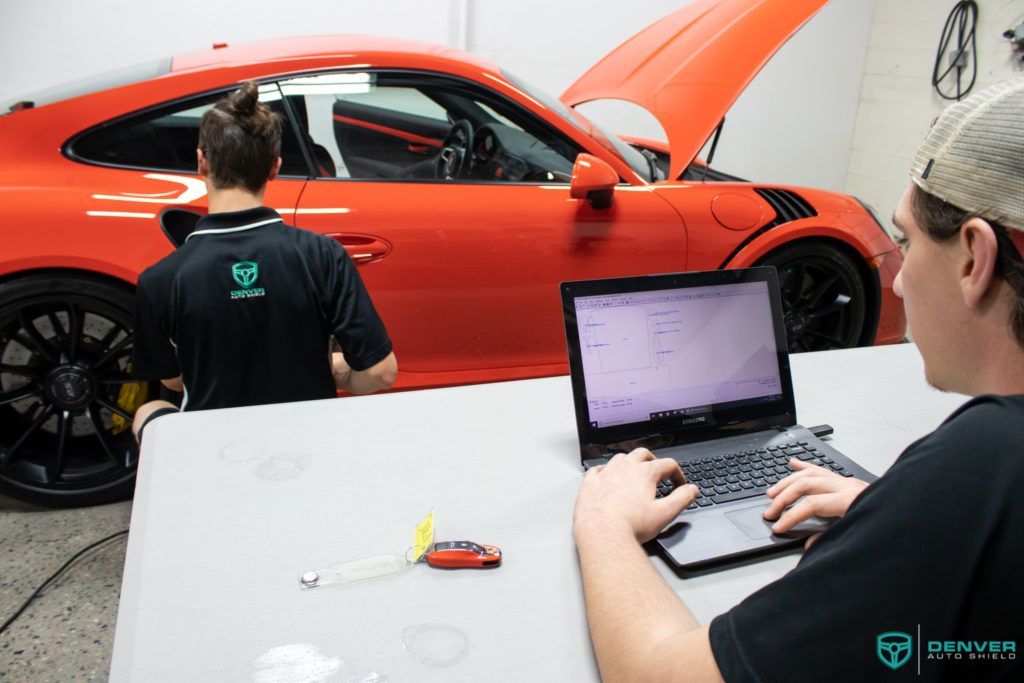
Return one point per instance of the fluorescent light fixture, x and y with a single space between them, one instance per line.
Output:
269 93
337 78
326 89
329 84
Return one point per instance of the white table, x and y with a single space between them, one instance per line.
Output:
232 505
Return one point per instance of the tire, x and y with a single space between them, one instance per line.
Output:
66 397
824 296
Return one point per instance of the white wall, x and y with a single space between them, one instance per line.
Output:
47 42
793 125
897 102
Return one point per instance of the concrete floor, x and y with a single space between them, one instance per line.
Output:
67 633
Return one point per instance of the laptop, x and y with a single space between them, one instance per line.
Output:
693 366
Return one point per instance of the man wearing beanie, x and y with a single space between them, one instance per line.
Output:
935 547
248 309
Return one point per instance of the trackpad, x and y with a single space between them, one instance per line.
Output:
751 521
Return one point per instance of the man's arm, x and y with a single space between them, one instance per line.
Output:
356 327
374 378
640 628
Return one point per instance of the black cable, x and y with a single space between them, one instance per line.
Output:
964 19
57 573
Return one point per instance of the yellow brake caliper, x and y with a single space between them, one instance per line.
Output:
129 399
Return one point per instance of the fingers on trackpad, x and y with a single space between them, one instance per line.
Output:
751 521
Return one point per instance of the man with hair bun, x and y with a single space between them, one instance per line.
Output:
920 575
250 310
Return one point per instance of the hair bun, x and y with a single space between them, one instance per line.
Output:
241 115
243 100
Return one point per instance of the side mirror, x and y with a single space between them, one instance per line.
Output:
593 180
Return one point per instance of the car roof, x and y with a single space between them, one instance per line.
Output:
217 67
348 47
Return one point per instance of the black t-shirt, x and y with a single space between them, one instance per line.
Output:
932 554
244 312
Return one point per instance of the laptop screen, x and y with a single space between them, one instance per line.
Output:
677 354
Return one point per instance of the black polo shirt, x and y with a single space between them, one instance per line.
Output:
245 309
920 581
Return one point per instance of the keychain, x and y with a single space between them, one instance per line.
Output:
446 554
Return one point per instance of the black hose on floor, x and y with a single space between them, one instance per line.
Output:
57 573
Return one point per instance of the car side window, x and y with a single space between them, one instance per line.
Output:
165 139
423 127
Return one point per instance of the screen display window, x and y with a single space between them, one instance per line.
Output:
676 353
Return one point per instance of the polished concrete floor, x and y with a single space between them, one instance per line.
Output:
67 633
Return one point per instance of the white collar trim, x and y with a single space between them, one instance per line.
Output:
217 231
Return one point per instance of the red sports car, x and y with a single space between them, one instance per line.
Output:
464 195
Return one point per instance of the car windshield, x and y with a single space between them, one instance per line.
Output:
91 84
613 143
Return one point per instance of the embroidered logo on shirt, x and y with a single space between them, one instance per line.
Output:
245 274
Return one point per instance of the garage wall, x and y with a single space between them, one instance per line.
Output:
897 102
47 42
793 125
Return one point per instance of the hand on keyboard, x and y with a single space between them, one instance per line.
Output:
746 474
825 494
623 492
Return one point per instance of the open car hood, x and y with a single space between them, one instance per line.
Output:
688 68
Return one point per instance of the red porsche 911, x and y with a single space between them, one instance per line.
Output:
464 195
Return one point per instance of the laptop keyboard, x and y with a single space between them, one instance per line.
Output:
745 474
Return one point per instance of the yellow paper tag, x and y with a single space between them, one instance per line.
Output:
423 537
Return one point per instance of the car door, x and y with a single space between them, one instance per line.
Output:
464 268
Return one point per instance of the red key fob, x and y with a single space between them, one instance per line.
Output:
463 555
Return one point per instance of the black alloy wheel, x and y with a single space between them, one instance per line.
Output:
66 396
824 298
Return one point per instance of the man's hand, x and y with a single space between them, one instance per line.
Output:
637 621
825 494
622 493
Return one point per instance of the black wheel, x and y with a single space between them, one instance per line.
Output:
66 397
824 298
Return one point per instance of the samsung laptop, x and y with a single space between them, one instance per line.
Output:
694 367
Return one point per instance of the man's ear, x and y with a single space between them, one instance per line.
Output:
201 163
978 248
275 169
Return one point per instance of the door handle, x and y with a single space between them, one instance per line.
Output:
362 248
